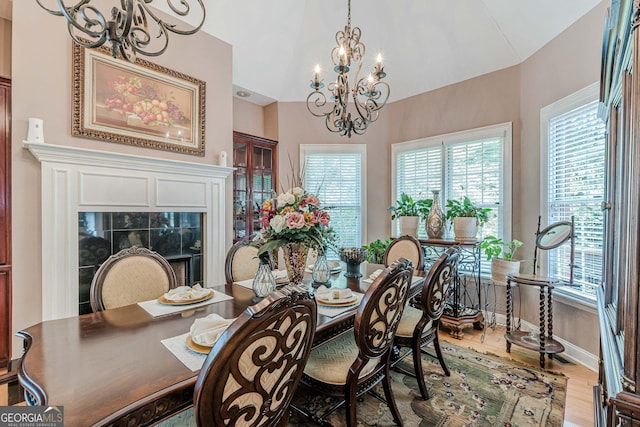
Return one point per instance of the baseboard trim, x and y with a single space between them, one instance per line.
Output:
572 351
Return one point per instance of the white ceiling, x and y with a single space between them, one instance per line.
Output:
426 44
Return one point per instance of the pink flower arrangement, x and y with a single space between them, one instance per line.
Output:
296 217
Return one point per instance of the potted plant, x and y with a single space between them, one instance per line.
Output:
466 217
501 256
376 249
409 212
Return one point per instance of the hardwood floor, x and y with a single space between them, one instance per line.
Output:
579 404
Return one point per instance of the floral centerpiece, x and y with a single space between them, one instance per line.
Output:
296 222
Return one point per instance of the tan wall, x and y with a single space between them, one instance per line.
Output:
42 88
248 118
5 48
568 63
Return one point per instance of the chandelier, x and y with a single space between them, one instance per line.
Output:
369 93
127 31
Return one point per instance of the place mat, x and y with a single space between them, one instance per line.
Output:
333 311
156 309
190 359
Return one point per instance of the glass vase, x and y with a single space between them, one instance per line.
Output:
264 283
295 259
435 219
321 272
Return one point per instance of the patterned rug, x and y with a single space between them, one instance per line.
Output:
483 390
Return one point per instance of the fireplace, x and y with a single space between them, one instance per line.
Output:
76 181
177 236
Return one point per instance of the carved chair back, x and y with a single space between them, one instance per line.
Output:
130 276
250 375
437 284
380 311
407 247
242 262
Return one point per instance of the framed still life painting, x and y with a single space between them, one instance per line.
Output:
141 103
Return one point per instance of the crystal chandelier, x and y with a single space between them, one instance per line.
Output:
127 31
369 93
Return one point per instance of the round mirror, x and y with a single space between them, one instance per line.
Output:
554 235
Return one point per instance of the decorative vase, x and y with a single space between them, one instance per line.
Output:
435 219
353 257
264 283
295 259
321 272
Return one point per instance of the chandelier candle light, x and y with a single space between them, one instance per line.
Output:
127 31
369 93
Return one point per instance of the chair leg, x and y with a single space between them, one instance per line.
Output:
350 403
417 366
391 402
436 344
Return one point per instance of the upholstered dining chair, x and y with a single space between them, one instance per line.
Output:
251 373
353 363
242 262
419 327
407 247
132 275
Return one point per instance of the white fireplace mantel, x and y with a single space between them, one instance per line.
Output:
79 180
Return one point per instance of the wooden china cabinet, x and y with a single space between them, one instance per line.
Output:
254 181
5 221
617 395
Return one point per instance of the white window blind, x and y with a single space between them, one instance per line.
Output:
336 177
575 187
418 173
475 169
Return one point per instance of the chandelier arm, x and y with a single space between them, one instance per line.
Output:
82 9
183 10
318 103
61 6
127 30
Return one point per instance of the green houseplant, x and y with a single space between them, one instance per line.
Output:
376 249
466 217
501 253
409 211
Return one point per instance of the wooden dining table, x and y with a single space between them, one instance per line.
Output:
110 367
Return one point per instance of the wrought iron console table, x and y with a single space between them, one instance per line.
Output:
463 309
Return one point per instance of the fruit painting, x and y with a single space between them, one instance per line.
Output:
140 103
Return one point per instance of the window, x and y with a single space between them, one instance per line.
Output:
474 163
573 182
336 174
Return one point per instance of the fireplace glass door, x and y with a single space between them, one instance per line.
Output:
177 236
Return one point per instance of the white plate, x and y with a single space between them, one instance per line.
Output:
337 302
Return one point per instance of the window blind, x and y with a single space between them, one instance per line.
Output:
419 172
475 169
336 178
576 180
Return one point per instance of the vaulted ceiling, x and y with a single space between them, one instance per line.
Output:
426 44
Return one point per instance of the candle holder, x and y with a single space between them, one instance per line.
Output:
353 257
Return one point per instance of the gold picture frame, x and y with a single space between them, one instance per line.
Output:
141 104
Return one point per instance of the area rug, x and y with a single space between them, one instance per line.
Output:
483 390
